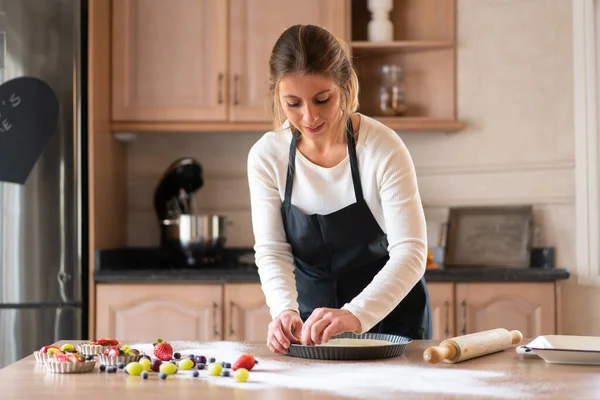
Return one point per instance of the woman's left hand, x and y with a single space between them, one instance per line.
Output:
324 323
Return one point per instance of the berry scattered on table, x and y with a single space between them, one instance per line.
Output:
134 368
241 375
120 365
168 368
146 364
156 365
162 375
102 367
245 361
200 360
144 374
195 374
200 365
226 372
186 364
177 356
215 369
212 360
163 350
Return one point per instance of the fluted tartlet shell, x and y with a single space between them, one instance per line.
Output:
115 360
91 349
68 367
40 357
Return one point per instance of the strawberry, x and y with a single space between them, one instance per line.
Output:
46 348
106 342
245 361
59 356
163 350
112 352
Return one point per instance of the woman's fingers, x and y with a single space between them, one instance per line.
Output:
291 324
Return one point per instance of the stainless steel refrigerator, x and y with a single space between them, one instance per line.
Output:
41 221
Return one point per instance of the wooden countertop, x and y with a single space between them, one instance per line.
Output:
501 375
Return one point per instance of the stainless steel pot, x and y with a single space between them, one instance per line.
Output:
196 232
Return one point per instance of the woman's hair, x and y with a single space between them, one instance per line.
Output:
309 49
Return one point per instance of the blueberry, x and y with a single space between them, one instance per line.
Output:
195 374
227 365
223 364
212 360
144 374
225 372
89 357
201 366
177 356
163 375
121 365
192 357
102 367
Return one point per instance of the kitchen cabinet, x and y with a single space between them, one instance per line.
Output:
205 312
441 297
463 308
202 65
202 61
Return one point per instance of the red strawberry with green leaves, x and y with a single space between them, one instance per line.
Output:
163 350
245 361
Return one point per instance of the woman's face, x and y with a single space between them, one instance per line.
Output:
311 103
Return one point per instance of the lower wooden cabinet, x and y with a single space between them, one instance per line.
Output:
463 308
238 311
203 312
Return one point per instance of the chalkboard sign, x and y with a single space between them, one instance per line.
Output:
28 118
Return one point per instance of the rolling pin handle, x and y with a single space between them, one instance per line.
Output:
516 337
435 354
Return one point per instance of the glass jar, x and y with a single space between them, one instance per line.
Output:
392 92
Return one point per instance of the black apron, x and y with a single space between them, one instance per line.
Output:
338 254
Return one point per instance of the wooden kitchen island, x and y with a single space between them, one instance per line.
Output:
502 375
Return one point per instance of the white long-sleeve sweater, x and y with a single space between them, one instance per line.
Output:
390 189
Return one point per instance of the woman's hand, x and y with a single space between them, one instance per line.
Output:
324 323
281 331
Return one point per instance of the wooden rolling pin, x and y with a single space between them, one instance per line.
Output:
477 344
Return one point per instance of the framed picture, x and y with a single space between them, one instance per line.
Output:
489 236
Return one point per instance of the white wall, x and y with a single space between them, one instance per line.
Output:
515 91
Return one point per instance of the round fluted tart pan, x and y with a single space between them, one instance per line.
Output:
323 352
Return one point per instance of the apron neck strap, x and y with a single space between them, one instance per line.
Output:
351 153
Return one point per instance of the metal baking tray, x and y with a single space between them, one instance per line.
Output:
325 352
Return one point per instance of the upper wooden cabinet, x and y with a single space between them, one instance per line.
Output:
169 60
202 65
194 61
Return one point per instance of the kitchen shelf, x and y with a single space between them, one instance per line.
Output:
397 123
363 46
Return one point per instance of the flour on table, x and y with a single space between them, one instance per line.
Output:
387 378
349 342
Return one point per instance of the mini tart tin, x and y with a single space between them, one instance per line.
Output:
91 349
115 360
69 367
40 357
394 349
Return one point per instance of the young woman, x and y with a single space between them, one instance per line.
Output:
340 234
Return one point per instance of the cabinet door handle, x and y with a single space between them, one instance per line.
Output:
232 305
236 79
215 315
220 92
464 310
447 312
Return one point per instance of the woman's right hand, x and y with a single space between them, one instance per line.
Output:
282 331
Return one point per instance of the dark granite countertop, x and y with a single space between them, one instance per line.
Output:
153 265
